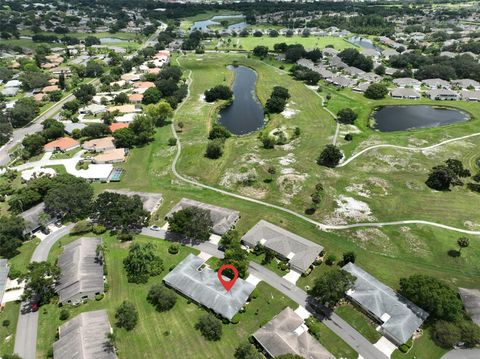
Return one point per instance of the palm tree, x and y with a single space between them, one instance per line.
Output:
463 242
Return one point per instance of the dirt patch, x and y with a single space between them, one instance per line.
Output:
289 112
236 178
373 237
290 185
344 129
471 225
287 160
258 193
350 209
415 243
359 189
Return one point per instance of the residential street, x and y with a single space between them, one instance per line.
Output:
26 335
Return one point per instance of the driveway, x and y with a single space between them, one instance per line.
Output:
26 335
462 354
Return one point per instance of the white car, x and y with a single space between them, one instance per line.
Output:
155 228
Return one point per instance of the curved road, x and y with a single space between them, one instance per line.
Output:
319 225
27 325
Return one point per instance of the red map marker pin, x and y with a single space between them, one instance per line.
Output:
227 284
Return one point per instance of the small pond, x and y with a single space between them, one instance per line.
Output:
204 24
400 118
110 40
363 42
245 114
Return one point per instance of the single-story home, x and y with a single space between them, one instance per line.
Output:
300 252
471 302
70 127
135 98
443 95
85 337
436 84
287 333
143 84
466 84
197 281
93 109
81 271
223 219
10 91
398 317
405 93
50 88
35 218
13 83
117 126
99 144
151 201
361 87
128 108
116 155
470 95
62 144
407 82
130 77
4 269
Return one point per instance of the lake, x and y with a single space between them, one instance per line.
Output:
400 118
204 24
365 43
110 40
245 114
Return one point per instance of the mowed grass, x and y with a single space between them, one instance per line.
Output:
423 347
358 321
22 259
250 42
157 332
7 333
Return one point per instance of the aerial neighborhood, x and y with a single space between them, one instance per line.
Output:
239 179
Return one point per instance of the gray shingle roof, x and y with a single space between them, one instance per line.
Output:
81 271
84 337
286 333
223 218
151 201
471 302
400 317
32 218
202 285
3 276
300 251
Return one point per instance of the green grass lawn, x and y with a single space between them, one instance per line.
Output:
20 261
423 347
250 42
359 321
331 341
65 155
7 333
186 23
159 330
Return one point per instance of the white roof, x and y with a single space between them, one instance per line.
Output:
96 171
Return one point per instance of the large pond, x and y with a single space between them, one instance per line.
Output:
204 24
110 40
245 114
365 43
400 118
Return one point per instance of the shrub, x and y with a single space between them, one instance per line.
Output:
446 334
283 266
125 237
99 297
50 352
349 257
81 227
6 323
210 327
220 92
346 116
214 149
173 249
126 315
348 137
219 131
330 156
172 141
330 260
64 314
161 297
99 229
403 348
235 319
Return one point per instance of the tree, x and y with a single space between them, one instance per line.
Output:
84 93
161 297
159 113
282 92
96 130
33 144
346 116
294 53
214 149
126 316
72 106
234 253
376 91
260 51
470 333
380 70
193 222
354 58
210 327
246 351
443 176
219 131
41 278
331 287
121 98
330 156
219 92
463 242
120 212
11 235
275 104
446 334
71 200
349 257
143 128
94 69
33 80
92 40
124 138
171 73
438 299
142 263
23 112
152 95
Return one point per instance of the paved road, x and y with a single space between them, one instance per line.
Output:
333 321
27 325
462 354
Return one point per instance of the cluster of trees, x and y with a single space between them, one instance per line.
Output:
84 93
445 309
376 91
142 128
330 156
316 198
234 254
24 111
295 52
193 222
219 92
331 287
210 327
41 278
353 57
303 73
217 136
126 316
169 89
277 100
142 262
32 145
442 177
346 116
161 297
11 235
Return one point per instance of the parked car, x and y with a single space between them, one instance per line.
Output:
155 228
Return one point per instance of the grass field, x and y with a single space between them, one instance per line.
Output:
159 330
186 23
248 43
359 321
423 347
7 333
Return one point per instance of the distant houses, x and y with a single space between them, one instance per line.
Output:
195 280
85 337
398 317
299 252
81 268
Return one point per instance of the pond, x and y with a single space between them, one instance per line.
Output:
245 114
365 43
110 40
400 118
203 25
